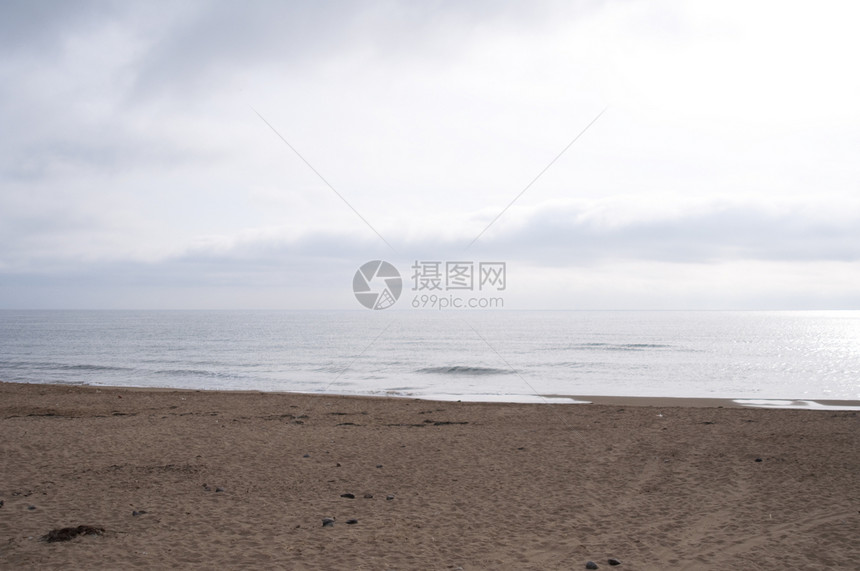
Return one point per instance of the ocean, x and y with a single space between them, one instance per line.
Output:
781 358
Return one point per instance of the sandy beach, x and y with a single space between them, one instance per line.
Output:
199 480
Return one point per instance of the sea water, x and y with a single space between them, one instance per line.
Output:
524 356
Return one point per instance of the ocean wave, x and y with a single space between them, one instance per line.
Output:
91 368
794 404
622 346
330 369
571 364
49 366
464 370
194 373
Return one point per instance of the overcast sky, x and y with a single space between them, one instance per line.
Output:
136 173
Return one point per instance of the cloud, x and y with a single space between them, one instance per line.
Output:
552 234
130 154
29 28
706 232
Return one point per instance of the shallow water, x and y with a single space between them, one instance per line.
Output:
501 355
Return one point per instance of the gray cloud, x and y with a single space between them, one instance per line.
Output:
125 136
202 47
729 232
551 236
40 27
313 270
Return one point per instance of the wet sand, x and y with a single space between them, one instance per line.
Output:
655 483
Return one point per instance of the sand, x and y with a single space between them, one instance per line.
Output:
474 486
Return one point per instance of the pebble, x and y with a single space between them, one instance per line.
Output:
207 488
306 456
328 521
379 465
136 513
31 508
1 503
758 459
368 496
218 490
591 565
613 561
351 521
389 497
350 496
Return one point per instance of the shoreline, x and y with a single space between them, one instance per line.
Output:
579 399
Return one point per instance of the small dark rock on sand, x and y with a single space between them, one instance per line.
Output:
758 459
368 496
219 490
351 521
328 521
207 488
350 496
69 533
31 508
136 513
613 561
591 565
389 497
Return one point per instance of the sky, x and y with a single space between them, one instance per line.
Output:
218 155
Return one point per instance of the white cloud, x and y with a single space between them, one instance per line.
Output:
129 139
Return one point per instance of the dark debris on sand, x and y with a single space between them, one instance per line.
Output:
69 533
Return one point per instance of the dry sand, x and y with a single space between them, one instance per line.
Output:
475 486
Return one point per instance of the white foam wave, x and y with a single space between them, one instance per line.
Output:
793 404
